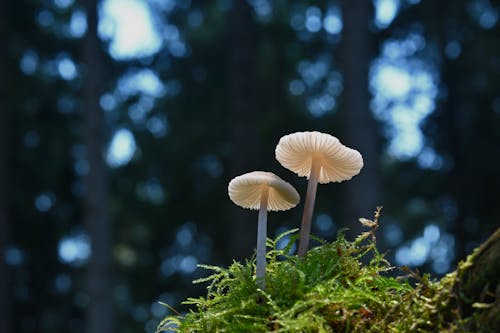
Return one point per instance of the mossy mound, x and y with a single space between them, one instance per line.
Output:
338 287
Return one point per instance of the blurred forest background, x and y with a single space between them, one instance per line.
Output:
122 122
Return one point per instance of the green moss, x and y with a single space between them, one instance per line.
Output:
341 286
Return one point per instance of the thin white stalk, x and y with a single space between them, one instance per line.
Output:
305 228
261 240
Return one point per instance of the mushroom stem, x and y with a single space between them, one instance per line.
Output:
261 240
305 228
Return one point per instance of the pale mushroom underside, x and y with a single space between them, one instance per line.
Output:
246 191
338 162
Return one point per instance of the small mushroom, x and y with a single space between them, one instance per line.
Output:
321 158
266 192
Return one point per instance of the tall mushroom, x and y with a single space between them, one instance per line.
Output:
266 192
321 158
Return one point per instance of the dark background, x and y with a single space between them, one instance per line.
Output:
114 163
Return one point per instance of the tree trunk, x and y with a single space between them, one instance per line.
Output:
98 279
455 131
362 193
5 313
456 134
242 223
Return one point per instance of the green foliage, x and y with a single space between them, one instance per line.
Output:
341 286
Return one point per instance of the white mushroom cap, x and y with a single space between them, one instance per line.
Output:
338 162
246 191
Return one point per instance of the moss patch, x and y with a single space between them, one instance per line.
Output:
341 286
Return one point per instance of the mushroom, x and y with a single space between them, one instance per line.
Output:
321 158
266 192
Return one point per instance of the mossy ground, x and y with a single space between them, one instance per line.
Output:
341 286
